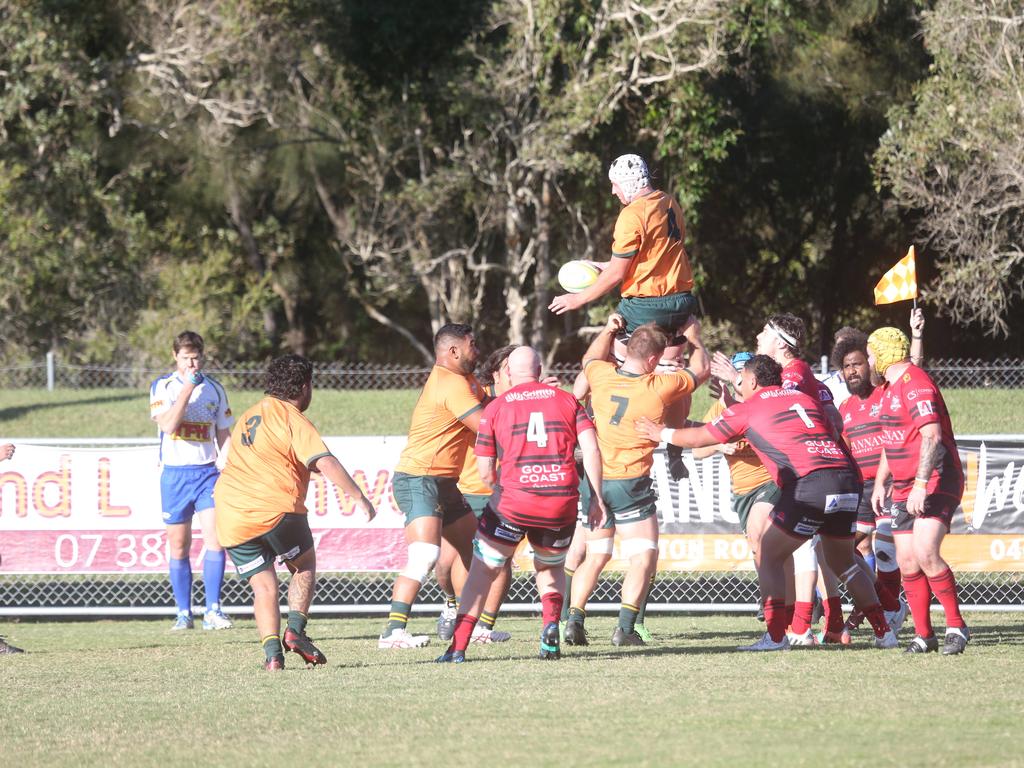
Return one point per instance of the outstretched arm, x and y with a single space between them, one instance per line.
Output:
333 470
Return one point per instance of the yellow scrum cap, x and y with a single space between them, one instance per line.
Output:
890 346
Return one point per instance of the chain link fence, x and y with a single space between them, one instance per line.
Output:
1004 373
367 594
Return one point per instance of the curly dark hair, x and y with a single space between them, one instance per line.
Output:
767 372
488 369
287 375
851 342
792 326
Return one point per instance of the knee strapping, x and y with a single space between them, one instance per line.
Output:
422 559
601 546
804 558
549 558
631 547
490 555
885 556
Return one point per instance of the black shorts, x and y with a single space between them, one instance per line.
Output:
825 502
938 506
286 541
499 530
865 513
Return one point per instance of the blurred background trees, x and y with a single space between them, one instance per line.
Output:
340 178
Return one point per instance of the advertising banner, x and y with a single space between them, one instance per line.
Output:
97 510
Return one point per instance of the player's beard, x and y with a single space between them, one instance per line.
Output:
860 387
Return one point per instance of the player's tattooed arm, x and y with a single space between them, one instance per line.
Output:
928 458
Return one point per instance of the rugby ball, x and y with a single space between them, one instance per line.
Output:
576 276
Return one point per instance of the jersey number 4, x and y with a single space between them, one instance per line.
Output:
535 431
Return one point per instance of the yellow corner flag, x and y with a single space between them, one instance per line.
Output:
900 282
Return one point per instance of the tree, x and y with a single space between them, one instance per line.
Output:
954 157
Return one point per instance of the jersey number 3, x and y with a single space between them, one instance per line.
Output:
250 433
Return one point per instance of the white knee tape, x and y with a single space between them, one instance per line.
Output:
601 546
804 559
488 554
885 556
422 559
883 526
630 547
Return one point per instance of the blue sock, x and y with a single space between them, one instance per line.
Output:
181 584
213 578
870 560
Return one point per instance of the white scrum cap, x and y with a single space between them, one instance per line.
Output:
631 174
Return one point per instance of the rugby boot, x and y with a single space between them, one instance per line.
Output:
183 621
6 647
451 657
483 635
575 634
803 640
216 619
644 632
886 641
897 617
297 642
446 623
275 664
549 642
956 640
400 638
621 637
676 466
767 644
834 638
923 645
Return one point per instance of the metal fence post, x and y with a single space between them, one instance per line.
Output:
49 371
824 364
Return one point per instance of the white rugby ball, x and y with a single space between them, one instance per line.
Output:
576 276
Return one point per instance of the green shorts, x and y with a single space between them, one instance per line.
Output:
629 501
477 502
287 540
742 502
669 313
429 496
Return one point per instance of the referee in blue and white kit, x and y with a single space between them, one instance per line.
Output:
194 418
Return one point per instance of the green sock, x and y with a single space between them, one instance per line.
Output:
487 620
643 606
272 647
568 594
297 621
627 617
577 615
398 617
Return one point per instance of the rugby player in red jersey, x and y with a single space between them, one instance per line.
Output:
927 484
533 429
820 488
862 431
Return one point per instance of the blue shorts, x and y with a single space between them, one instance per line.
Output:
186 490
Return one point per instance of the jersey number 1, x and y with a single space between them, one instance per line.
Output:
535 432
802 414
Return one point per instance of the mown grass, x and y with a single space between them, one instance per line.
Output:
125 412
131 693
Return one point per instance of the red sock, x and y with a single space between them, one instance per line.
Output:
833 615
886 597
775 617
876 616
944 587
789 607
919 597
464 624
802 613
550 606
893 580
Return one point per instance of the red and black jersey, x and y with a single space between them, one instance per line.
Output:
798 375
909 403
531 430
787 429
862 429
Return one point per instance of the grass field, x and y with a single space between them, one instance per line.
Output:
131 693
125 412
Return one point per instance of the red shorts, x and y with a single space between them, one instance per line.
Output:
825 502
501 531
938 506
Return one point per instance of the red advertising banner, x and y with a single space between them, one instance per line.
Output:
97 510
